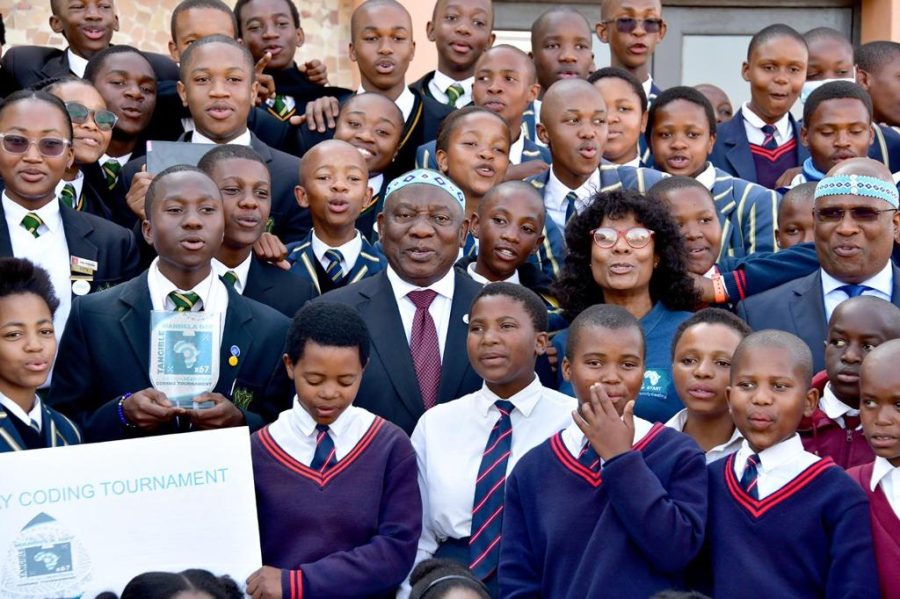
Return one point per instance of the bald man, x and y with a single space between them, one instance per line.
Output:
856 221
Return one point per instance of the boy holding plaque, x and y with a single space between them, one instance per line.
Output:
336 492
105 377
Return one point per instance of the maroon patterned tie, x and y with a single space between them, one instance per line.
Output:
423 344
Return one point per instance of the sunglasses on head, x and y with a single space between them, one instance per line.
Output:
862 214
636 237
47 146
629 24
79 113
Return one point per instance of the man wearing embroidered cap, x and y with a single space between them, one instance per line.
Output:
415 308
856 220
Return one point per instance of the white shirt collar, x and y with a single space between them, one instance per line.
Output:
405 102
160 287
730 446
882 281
880 469
778 455
440 82
833 407
242 140
648 86
48 213
515 150
77 64
443 286
350 251
375 182
557 190
524 401
634 162
305 424
27 417
782 127
77 183
708 176
470 269
574 439
122 160
242 271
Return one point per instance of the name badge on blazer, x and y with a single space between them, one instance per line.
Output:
83 265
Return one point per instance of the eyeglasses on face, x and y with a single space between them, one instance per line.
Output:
79 113
47 146
636 237
629 24
861 214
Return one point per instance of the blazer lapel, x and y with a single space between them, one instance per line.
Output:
257 282
738 152
237 333
454 366
57 67
78 233
136 321
808 312
802 151
9 436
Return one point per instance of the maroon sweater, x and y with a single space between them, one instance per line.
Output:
885 532
826 438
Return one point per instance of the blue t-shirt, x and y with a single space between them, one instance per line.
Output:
657 401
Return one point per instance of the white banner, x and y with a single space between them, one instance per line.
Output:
87 518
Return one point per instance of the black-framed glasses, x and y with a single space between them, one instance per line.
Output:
629 24
47 146
636 237
79 113
861 214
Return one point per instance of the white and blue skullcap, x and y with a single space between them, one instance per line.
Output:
858 185
424 176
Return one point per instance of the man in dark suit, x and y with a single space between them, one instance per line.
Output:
102 376
856 221
220 111
417 308
88 30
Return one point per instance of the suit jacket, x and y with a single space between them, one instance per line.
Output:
421 127
425 155
95 193
24 66
92 238
389 386
798 307
105 353
290 222
732 150
304 264
56 430
279 289
885 147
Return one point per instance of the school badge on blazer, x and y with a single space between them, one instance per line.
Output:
242 397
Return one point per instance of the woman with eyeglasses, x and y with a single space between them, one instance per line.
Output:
625 249
83 184
81 252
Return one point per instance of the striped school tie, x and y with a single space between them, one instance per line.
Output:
324 456
280 106
184 300
111 170
334 270
230 278
589 458
571 198
67 195
32 222
487 509
454 92
769 142
751 476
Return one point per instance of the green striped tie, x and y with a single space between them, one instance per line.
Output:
280 107
454 93
67 195
111 170
184 300
32 223
230 278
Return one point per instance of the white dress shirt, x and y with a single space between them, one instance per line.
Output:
470 269
122 160
834 408
438 85
555 196
405 102
295 431
77 183
647 85
34 416
350 252
439 308
778 465
77 64
242 271
212 292
634 162
753 125
450 440
881 285
50 251
575 440
515 150
718 452
708 177
889 478
243 139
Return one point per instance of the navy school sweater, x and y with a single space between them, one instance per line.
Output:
627 532
350 533
811 538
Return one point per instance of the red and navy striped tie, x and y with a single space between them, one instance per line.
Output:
751 476
487 509
769 141
589 458
324 456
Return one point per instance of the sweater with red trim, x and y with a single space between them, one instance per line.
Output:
628 531
811 538
885 531
771 164
351 532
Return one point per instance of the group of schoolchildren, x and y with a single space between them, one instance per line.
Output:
482 326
